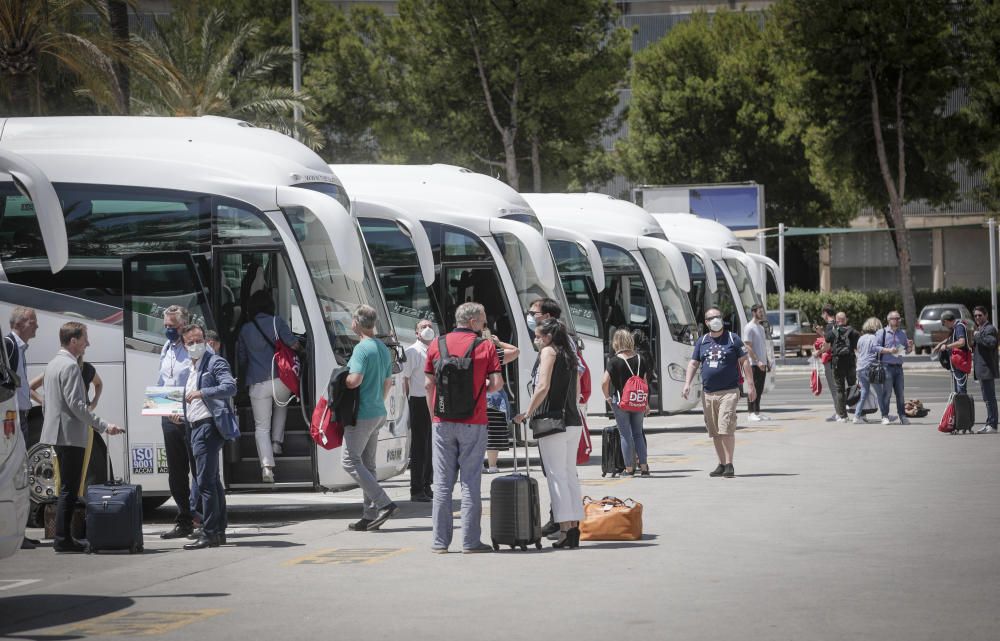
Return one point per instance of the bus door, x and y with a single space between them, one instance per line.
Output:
152 282
239 273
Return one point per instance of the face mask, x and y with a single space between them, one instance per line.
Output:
538 343
715 324
531 322
427 333
172 333
197 350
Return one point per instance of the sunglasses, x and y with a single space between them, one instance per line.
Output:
979 315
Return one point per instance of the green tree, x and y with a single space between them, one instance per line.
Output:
983 43
193 64
703 111
866 84
46 49
494 80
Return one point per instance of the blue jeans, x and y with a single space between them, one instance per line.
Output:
633 440
457 450
867 389
990 398
893 384
206 443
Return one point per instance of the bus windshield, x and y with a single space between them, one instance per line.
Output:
577 282
676 306
744 286
338 295
527 283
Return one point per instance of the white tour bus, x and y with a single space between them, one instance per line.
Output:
645 286
486 245
202 212
13 480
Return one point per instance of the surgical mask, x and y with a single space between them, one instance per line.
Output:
172 333
715 324
427 333
196 351
531 322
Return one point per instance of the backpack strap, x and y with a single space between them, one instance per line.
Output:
442 348
269 341
638 361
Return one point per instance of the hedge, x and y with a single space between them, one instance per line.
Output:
877 303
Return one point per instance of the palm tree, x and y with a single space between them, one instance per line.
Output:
37 34
194 66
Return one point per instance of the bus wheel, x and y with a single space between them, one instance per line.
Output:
151 503
42 473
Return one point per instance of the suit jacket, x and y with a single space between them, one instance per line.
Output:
217 385
984 353
67 417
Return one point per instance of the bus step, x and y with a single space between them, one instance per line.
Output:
288 469
296 443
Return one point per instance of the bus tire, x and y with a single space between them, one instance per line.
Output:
151 503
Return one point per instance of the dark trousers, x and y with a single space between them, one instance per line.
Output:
179 466
846 378
831 384
70 469
206 444
759 376
990 398
421 466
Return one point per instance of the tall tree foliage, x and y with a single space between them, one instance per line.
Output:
866 84
983 45
48 49
195 64
493 80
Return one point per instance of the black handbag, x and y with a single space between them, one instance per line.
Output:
546 426
876 371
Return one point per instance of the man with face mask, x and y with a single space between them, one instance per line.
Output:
540 310
174 365
721 355
208 388
421 468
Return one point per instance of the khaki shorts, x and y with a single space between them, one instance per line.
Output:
720 411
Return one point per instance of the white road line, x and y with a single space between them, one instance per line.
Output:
11 584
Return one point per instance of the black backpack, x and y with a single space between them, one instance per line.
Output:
842 342
456 396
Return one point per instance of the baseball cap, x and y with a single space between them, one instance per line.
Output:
947 315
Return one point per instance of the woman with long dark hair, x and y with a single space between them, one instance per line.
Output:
554 401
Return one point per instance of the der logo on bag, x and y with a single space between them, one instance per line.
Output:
635 393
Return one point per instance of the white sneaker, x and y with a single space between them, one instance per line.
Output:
833 419
841 419
986 429
267 474
903 420
276 448
754 418
492 470
764 417
858 420
886 420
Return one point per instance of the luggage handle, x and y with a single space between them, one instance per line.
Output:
527 452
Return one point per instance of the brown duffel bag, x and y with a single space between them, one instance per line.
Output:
611 519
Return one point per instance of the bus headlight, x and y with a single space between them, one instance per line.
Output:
676 372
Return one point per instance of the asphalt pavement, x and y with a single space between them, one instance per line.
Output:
828 531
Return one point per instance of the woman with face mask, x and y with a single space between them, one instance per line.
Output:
554 397
625 364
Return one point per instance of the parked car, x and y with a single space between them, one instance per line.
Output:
929 328
799 334
13 481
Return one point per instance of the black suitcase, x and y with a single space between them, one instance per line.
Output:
515 516
114 517
612 459
965 413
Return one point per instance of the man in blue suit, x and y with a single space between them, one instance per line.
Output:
210 419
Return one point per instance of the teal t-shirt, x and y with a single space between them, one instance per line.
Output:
371 359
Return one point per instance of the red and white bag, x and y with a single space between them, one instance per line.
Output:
947 424
325 432
816 377
635 393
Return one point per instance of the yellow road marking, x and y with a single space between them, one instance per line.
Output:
136 623
348 556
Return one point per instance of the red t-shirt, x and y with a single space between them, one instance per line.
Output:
484 363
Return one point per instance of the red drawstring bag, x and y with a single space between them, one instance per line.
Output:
585 383
947 423
961 360
585 447
815 383
325 432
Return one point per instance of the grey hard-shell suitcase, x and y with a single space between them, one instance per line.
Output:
114 517
515 516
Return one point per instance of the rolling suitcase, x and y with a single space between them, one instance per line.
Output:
612 459
515 516
965 413
114 517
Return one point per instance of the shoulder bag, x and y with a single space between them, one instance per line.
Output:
876 371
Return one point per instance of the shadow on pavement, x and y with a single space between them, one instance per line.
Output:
750 476
263 544
616 545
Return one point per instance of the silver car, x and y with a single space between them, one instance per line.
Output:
929 323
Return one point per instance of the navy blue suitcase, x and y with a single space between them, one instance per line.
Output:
114 517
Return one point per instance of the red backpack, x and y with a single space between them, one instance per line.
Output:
635 393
